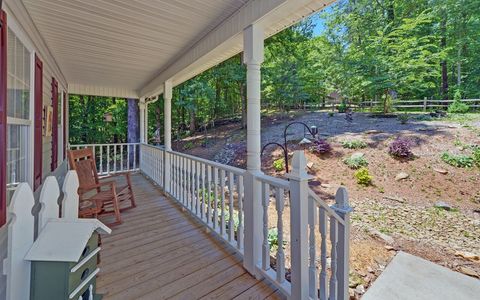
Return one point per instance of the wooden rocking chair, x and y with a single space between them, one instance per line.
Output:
99 197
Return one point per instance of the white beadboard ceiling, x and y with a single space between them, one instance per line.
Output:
126 44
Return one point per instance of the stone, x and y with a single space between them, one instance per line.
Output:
443 205
389 248
310 165
373 131
351 293
355 279
384 237
370 270
360 289
397 199
401 176
469 272
441 171
468 255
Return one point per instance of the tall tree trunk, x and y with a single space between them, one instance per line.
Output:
193 122
443 45
133 126
158 122
115 135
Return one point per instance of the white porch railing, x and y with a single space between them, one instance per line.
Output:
214 194
114 158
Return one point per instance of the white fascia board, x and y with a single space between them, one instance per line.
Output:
250 13
104 91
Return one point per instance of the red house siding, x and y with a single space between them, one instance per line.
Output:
3 118
38 111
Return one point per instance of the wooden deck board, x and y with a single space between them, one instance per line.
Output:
160 252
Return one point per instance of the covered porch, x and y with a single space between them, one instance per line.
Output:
201 228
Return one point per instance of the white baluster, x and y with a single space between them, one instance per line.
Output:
108 159
323 253
121 158
231 223
197 190
115 158
222 199
333 256
280 194
204 199
101 159
240 212
265 244
209 194
312 270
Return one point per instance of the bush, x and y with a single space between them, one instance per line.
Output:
400 148
457 106
273 239
321 146
459 161
342 107
354 144
331 113
356 161
279 164
476 156
403 118
363 177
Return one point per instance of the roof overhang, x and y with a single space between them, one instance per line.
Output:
117 48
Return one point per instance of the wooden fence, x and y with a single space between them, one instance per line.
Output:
423 104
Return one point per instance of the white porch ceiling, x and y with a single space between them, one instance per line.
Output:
130 46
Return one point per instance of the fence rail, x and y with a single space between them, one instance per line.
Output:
215 195
113 158
422 104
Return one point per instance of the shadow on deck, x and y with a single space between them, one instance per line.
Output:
160 252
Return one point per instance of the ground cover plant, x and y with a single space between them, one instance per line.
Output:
353 144
279 164
321 146
363 177
356 161
458 160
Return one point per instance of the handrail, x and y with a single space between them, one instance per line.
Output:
324 205
277 182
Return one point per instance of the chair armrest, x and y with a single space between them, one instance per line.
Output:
85 189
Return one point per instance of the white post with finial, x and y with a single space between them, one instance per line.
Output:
299 226
343 209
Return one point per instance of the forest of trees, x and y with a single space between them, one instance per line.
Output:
363 50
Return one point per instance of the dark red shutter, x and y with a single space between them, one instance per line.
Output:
54 125
65 101
38 111
3 118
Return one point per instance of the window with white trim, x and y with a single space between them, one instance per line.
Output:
19 120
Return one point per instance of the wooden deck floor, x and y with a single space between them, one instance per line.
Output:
160 252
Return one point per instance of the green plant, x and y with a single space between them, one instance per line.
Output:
353 144
476 156
457 106
363 177
273 239
403 118
279 164
331 113
356 162
188 145
342 107
459 161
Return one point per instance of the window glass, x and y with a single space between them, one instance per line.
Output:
18 111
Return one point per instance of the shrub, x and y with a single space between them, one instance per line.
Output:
331 113
356 161
457 106
476 156
279 164
363 177
354 144
403 118
321 146
400 148
342 107
459 161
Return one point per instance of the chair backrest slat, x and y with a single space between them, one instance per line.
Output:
83 162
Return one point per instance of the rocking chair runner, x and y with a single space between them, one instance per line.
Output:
98 197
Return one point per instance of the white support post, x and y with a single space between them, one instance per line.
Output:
253 38
141 106
343 209
299 226
167 125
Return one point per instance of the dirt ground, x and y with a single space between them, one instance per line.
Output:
390 215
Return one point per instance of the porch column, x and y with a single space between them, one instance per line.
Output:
253 37
141 106
145 127
167 125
